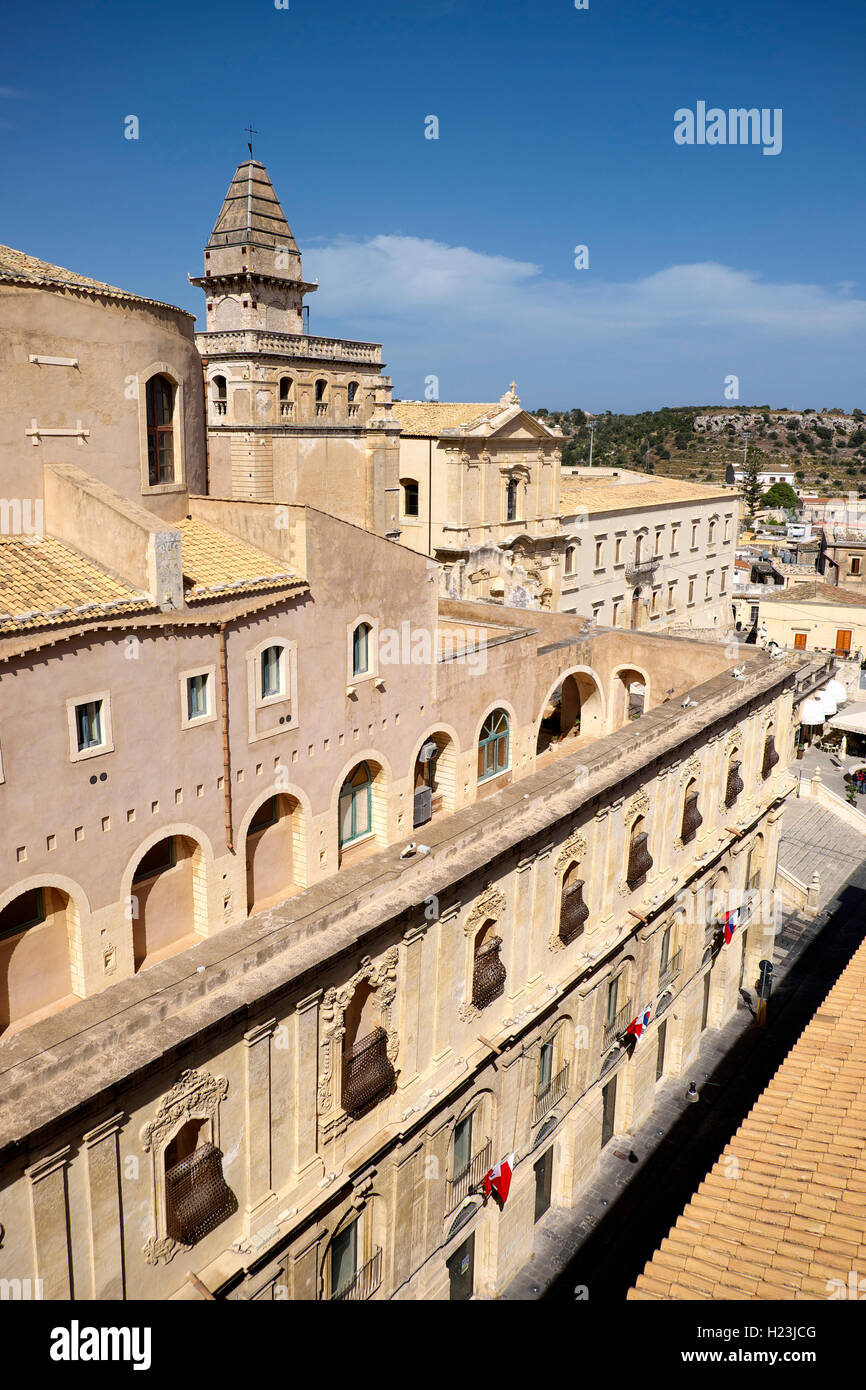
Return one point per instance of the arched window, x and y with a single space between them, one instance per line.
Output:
352 392
219 395
361 650
321 396
511 495
410 496
493 745
159 400
197 1196
734 784
771 757
286 402
639 858
470 1156
571 559
573 911
488 972
692 818
356 805
367 1071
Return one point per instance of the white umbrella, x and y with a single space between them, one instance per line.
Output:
827 703
812 711
837 691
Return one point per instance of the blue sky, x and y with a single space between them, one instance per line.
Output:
555 130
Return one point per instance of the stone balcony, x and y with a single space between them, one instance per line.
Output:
242 342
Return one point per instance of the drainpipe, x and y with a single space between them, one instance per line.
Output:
430 497
224 724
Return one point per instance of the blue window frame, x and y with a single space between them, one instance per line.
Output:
272 672
88 724
493 745
356 805
361 650
196 696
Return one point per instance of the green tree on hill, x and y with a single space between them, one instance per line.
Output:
781 495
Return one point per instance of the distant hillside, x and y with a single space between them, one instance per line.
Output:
826 449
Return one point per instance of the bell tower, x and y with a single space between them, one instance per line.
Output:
252 265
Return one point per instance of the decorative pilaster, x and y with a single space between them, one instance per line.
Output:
306 1079
257 1044
102 1161
50 1224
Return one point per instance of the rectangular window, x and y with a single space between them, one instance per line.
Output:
462 1146
344 1257
705 1011
753 613
675 537
608 1112
723 586
612 994
271 671
88 725
855 564
617 557
671 595
660 1054
666 950
658 545
543 1170
599 554
727 528
654 606
691 597
197 703
545 1067
614 613
461 1271
695 535
709 584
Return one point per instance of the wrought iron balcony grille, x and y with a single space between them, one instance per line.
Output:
197 1197
642 571
365 1282
553 1092
639 862
735 784
488 977
617 1026
573 912
771 757
469 1177
367 1072
670 971
692 819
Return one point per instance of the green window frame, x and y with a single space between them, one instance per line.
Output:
545 1065
356 806
344 1257
494 745
462 1147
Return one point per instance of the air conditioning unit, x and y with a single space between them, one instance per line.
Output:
423 809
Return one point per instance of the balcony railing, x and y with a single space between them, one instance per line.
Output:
616 1026
771 757
573 912
287 409
671 970
197 1196
468 1178
367 1072
321 408
219 407
365 1282
245 340
642 571
639 862
548 1096
488 976
735 785
352 410
692 820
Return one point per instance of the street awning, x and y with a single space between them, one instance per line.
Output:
853 721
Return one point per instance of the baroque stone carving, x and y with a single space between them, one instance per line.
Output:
638 806
691 768
195 1094
573 849
383 979
491 904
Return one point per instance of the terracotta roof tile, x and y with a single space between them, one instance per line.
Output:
218 565
44 583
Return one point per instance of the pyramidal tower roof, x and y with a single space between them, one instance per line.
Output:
251 211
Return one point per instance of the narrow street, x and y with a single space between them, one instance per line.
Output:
644 1179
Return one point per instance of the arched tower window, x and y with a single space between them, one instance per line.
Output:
159 400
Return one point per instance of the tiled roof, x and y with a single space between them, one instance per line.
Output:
431 417
789 1215
814 590
581 494
217 565
45 584
251 211
16 267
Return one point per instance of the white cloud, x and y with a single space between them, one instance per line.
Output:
450 307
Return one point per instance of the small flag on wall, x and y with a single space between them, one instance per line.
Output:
498 1180
731 920
637 1025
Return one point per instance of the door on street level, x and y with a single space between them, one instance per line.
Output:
461 1270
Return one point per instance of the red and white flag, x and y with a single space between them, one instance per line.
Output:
730 921
498 1180
637 1025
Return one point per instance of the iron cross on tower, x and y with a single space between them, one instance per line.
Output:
250 133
